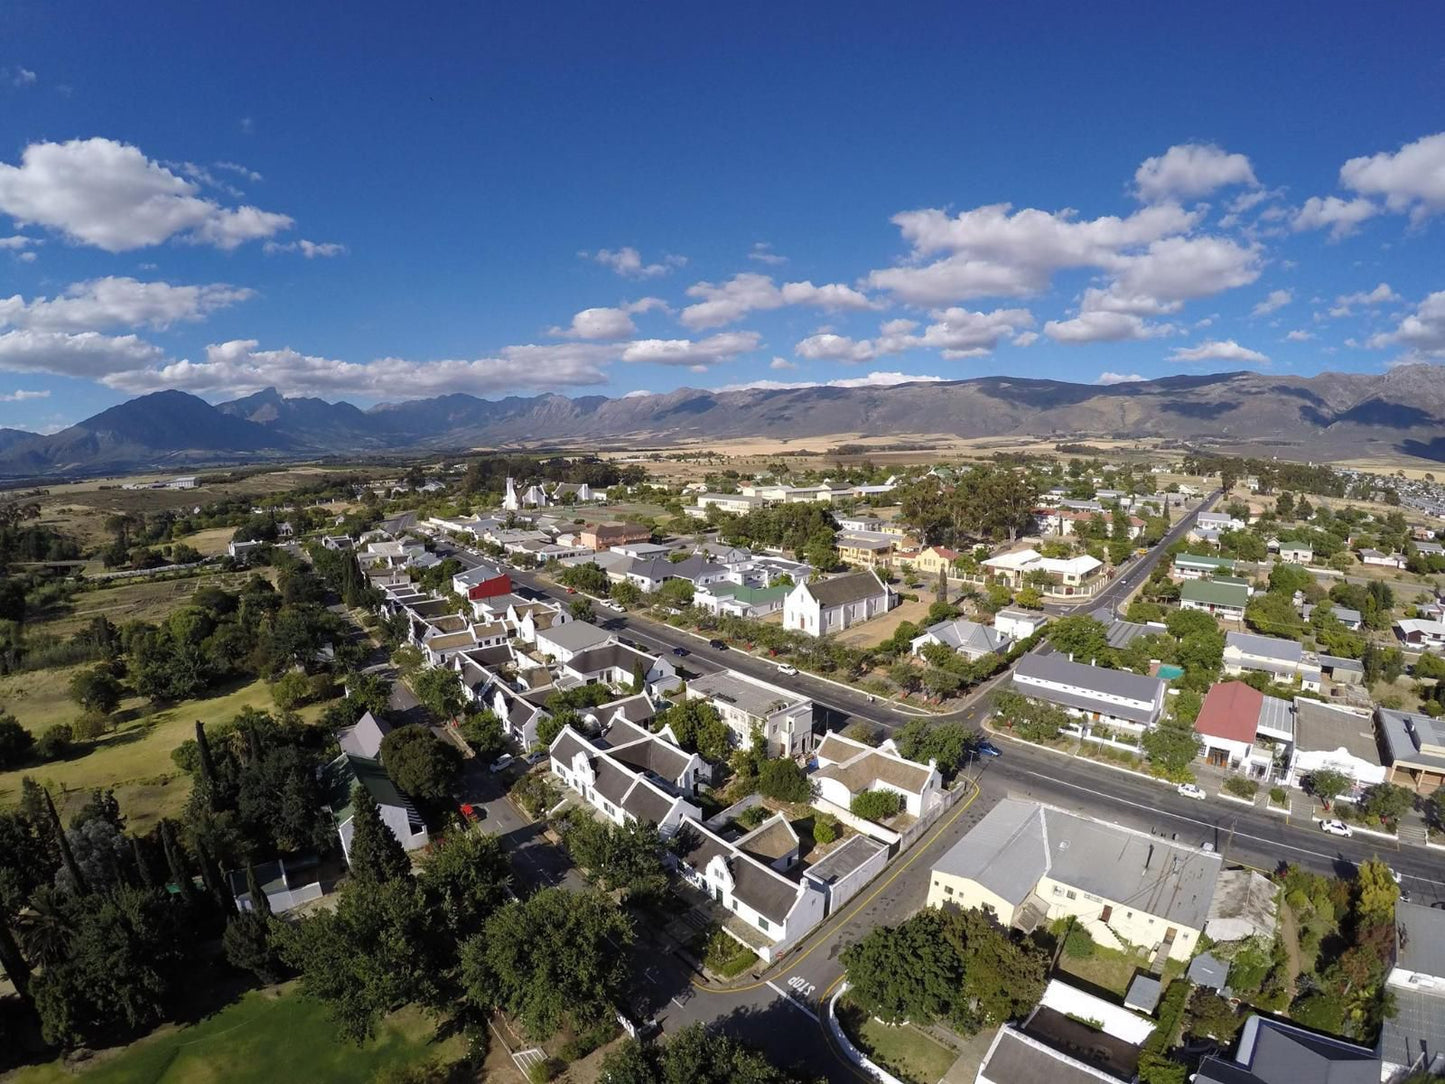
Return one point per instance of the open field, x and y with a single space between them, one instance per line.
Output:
147 600
872 633
135 759
211 542
267 1036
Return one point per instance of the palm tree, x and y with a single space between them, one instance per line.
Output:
46 927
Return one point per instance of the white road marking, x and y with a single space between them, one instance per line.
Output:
794 1002
1203 824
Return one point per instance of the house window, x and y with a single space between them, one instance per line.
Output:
1071 894
762 924
948 890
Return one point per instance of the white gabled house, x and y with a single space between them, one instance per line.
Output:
847 768
629 775
832 605
966 638
744 703
1093 694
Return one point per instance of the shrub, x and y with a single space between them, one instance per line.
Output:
56 742
825 829
1078 943
1278 796
783 780
753 816
1241 787
876 805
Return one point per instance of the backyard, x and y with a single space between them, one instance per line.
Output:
907 1051
267 1036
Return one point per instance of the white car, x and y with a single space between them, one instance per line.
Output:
502 762
1191 790
789 669
1336 828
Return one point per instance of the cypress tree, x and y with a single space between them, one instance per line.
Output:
376 854
259 903
12 959
142 866
67 856
208 766
176 861
215 881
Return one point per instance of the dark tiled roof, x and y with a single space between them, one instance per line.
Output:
852 587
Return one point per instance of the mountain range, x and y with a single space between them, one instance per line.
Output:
1329 416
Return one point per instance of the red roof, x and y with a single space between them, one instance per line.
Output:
1230 710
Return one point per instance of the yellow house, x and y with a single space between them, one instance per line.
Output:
869 550
932 558
1031 864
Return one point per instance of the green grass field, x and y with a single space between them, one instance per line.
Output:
267 1037
906 1051
135 759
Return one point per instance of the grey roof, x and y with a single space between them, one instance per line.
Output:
1143 994
647 803
844 859
346 771
963 635
1344 613
1244 901
1322 728
1120 633
568 744
756 698
1017 1059
653 755
1337 662
763 889
691 568
1420 939
1269 647
1416 1029
850 587
637 708
1277 715
1405 732
575 635
613 656
1018 842
613 781
1058 668
1206 969
1285 1054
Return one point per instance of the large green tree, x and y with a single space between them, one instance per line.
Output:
420 763
376 855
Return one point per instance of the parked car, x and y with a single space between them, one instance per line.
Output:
1191 790
717 645
681 652
788 668
1336 828
502 762
571 590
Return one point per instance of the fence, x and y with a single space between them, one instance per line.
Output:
856 1056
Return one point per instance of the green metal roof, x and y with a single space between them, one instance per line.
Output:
1214 593
342 774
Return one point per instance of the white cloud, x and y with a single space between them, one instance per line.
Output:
1185 268
88 354
1103 326
830 347
17 242
598 324
24 77
749 291
108 194
628 262
763 252
1026 338
782 364
239 367
715 348
608 323
1340 217
1412 179
119 302
872 380
241 171
310 249
1422 331
1299 336
23 396
1218 350
1276 300
1380 295
1190 170
1107 377
995 253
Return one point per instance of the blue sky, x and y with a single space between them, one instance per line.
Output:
369 204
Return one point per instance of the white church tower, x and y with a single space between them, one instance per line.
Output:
510 503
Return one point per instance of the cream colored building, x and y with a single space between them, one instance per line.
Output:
1031 864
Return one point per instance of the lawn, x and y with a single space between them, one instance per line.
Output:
1113 970
41 698
136 758
267 1036
905 1051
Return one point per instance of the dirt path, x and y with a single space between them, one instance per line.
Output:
1289 931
